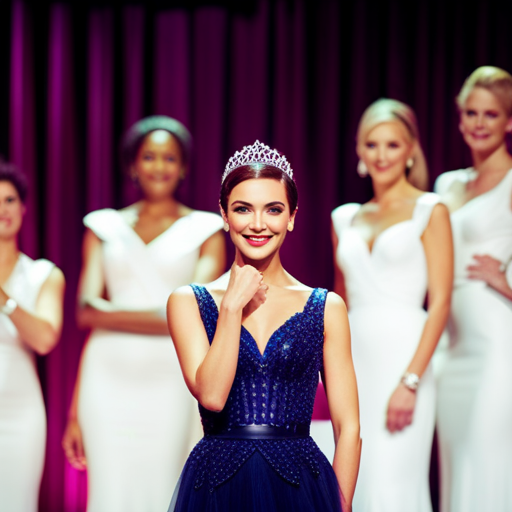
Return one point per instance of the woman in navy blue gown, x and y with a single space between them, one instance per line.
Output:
251 346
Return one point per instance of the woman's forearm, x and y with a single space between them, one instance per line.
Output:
346 464
215 375
433 329
138 322
37 333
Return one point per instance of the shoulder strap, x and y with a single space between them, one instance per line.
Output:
423 209
445 181
206 224
315 307
343 215
103 223
207 309
41 270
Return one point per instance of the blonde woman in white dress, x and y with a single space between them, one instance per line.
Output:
475 384
131 407
388 254
31 296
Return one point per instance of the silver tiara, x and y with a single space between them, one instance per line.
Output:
258 153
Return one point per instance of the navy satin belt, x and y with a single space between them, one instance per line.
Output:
262 432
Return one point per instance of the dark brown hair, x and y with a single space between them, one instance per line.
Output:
135 135
258 171
9 172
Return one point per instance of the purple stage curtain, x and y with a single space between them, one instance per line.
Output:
294 74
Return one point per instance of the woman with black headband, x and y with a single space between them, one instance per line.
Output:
129 386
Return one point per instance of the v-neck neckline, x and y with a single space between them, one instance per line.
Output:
370 250
483 194
263 355
156 238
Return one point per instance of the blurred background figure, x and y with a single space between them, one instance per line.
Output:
132 417
388 253
475 410
31 297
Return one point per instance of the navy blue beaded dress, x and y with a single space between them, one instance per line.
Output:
287 472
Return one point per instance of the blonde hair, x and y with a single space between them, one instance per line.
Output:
386 110
495 80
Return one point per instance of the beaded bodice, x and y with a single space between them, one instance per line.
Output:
275 388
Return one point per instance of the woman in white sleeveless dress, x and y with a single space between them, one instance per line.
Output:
131 407
388 253
475 409
31 296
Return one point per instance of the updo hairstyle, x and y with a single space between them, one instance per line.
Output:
9 172
135 135
258 171
495 80
387 110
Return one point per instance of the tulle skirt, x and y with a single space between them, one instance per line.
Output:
256 487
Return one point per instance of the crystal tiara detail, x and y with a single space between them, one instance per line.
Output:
258 153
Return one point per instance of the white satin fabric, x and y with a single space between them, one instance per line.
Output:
22 412
475 383
386 290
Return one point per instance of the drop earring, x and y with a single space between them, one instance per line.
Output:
409 163
362 170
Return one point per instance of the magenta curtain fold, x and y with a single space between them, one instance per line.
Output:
172 81
133 82
22 113
100 90
208 122
172 77
296 75
249 87
62 246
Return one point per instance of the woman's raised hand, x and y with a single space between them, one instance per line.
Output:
246 289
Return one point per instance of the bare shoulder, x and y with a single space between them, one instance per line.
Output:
336 324
181 306
56 277
440 216
334 304
182 292
55 282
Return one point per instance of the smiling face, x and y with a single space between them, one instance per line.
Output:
258 216
11 210
385 151
484 122
158 166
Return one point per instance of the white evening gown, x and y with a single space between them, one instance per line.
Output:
136 413
475 384
22 413
386 290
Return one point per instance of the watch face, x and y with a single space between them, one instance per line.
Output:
9 307
411 381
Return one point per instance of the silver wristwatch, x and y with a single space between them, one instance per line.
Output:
9 307
411 381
